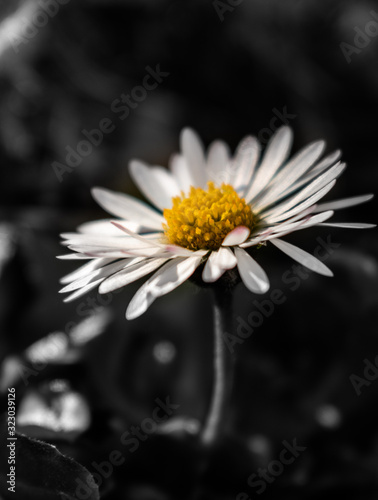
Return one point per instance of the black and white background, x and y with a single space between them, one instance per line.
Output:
83 375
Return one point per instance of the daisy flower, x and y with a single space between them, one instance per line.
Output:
207 208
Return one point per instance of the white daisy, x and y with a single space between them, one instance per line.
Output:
208 208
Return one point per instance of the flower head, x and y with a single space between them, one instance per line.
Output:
204 218
208 208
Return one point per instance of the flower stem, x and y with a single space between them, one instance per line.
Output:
223 369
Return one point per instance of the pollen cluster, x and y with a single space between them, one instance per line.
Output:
204 218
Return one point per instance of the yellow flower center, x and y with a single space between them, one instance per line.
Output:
204 218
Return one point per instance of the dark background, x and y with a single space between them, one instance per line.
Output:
230 73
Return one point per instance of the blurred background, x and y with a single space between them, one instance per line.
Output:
84 376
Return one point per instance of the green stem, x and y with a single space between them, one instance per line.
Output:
223 370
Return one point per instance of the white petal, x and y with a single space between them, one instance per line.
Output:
317 170
326 162
267 226
236 236
290 227
306 192
321 181
166 279
275 154
127 207
183 252
344 203
74 256
193 151
298 226
155 253
304 258
101 273
96 251
212 272
132 273
286 228
156 183
300 215
316 219
218 163
173 275
105 228
296 167
82 291
156 242
256 241
69 236
276 217
87 268
244 164
112 242
251 273
146 241
226 258
217 263
349 225
181 171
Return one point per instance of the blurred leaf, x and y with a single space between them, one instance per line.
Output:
54 411
43 473
180 426
57 348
